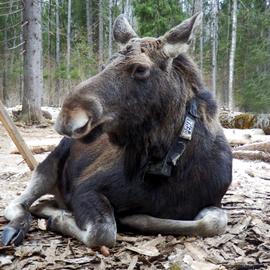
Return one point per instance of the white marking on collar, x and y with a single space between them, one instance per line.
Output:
188 128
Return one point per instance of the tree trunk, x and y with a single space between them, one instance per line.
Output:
1 89
68 40
214 12
197 6
7 69
100 35
110 30
89 22
128 11
201 38
225 64
33 76
5 61
21 65
50 98
232 56
57 53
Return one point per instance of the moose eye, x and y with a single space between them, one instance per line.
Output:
140 71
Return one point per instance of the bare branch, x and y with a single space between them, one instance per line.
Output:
15 47
11 13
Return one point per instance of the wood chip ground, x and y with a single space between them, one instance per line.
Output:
245 245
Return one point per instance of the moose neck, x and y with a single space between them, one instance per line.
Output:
153 145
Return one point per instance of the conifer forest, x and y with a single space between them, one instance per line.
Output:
72 39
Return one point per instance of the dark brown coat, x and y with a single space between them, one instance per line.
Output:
125 117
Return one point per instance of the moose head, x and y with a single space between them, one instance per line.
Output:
140 97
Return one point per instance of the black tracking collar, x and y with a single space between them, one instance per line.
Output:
165 166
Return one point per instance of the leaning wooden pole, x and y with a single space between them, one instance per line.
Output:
17 138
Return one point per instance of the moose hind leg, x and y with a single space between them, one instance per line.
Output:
42 182
213 220
210 221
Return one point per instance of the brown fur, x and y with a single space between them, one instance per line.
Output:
140 101
106 154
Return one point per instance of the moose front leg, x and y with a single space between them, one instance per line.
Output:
93 221
43 181
210 221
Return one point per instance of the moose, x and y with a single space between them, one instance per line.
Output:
142 150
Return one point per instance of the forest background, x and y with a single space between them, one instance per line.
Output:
75 40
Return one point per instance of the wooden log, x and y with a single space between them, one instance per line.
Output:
17 138
245 120
252 155
245 136
236 138
262 146
37 147
237 120
238 141
262 175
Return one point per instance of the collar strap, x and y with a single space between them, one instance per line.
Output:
165 166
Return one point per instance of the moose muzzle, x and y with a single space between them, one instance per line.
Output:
77 119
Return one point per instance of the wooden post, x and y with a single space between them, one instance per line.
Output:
17 138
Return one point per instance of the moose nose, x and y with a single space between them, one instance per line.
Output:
78 116
75 124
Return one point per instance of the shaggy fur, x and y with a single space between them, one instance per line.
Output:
150 116
136 107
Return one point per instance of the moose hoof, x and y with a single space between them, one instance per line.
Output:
50 224
12 235
58 221
15 231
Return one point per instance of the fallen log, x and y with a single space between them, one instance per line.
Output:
262 146
238 137
35 149
245 120
252 155
233 141
39 147
262 175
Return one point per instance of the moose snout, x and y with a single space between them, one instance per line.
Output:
78 121
75 124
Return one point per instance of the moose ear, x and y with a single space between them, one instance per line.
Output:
122 31
178 39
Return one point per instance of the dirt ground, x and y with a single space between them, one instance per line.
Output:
245 245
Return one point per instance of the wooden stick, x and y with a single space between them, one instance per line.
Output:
17 138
